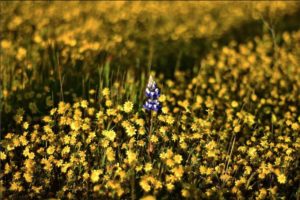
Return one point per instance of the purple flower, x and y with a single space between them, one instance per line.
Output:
152 93
151 104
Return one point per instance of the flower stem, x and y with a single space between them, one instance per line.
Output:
150 145
132 185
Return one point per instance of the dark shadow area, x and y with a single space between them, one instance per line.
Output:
197 48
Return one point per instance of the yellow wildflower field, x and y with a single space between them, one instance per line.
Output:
150 100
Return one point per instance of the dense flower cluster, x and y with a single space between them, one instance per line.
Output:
152 93
214 138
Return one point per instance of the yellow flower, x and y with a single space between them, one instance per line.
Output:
47 164
65 150
21 53
178 158
111 135
84 103
14 186
140 122
2 156
131 156
111 112
25 125
281 178
154 139
149 197
96 188
295 126
62 107
128 106
28 177
31 155
178 172
75 125
92 91
170 162
110 154
237 129
234 104
5 44
169 153
95 175
23 140
185 193
37 189
162 98
145 185
85 176
142 131
7 168
248 170
252 152
50 150
170 120
262 193
108 103
165 110
104 143
106 92
130 129
148 167
202 169
170 186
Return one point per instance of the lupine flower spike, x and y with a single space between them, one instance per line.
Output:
151 104
152 93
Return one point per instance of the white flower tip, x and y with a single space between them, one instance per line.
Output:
151 81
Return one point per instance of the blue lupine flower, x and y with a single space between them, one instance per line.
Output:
151 104
152 93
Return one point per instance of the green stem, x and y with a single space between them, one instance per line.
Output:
132 183
150 134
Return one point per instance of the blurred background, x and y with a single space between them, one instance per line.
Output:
59 50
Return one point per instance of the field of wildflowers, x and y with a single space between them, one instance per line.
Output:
150 100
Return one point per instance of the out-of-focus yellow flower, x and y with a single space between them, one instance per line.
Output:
5 44
234 104
106 92
170 186
25 125
148 167
85 176
108 103
2 156
149 197
110 154
21 53
37 189
162 98
95 175
295 126
237 128
145 185
185 193
50 150
84 103
65 150
131 156
28 177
